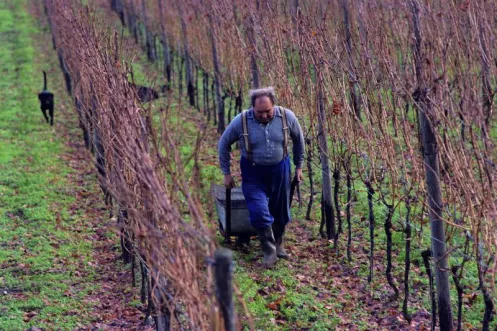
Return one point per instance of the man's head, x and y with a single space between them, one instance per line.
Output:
263 101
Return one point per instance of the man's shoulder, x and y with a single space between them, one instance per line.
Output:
235 122
281 108
288 112
237 118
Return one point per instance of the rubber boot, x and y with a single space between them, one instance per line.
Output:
279 237
268 246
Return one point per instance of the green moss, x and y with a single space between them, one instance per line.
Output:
41 257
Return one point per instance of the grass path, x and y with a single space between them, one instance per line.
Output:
57 257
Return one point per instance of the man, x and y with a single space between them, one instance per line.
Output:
263 132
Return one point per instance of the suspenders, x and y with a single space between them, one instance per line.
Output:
246 135
285 131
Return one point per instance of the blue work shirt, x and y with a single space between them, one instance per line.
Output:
266 140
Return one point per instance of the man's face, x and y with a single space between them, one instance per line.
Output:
263 110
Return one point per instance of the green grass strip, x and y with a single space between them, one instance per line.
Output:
44 272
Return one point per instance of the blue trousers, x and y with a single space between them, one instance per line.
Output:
267 192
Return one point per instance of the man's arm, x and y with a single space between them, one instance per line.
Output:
230 135
298 140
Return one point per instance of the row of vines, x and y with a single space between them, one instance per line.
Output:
394 96
142 181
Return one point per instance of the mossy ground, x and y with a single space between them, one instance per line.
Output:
52 218
45 258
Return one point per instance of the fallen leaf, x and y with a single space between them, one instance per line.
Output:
272 306
29 315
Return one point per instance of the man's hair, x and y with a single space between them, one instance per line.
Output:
262 92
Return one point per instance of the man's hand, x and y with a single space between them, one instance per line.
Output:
229 182
298 175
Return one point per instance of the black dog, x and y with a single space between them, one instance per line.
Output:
147 94
46 100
